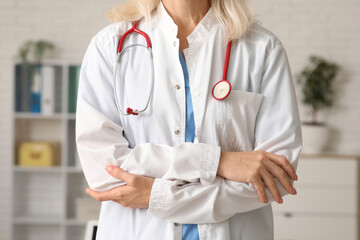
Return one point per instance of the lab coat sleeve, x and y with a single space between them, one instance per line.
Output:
277 131
100 140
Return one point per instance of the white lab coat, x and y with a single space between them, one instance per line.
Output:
261 112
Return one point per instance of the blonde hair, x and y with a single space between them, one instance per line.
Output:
236 16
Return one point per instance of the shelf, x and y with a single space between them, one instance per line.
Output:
38 220
74 170
313 214
75 222
56 116
48 220
19 115
49 61
71 116
56 169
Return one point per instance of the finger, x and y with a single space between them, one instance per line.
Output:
260 188
100 196
281 175
271 185
284 163
119 173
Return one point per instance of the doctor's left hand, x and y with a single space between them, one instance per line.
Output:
135 194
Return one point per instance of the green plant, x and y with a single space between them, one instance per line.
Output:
40 47
317 84
24 51
36 49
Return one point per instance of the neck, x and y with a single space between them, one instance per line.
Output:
186 13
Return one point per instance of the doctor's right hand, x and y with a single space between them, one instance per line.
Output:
258 168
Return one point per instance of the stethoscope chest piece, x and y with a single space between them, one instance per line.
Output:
221 90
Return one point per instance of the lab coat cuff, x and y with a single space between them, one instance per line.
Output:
159 192
210 164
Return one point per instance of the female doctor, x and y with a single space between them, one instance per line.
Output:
175 144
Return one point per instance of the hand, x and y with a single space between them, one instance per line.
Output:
135 194
258 168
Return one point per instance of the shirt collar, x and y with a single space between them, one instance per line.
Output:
200 32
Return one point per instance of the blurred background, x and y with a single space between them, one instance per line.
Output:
45 199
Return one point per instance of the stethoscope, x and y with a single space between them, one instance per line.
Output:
220 91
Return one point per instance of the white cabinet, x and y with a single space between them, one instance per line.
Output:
326 206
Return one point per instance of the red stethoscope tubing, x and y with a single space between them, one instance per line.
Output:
226 65
136 30
130 111
221 82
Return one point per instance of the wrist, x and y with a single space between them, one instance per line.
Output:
224 159
150 183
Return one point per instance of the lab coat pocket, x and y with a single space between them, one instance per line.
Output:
235 120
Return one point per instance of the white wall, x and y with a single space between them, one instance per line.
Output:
326 27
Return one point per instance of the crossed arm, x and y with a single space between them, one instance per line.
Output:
257 168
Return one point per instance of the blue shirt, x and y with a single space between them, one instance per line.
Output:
189 231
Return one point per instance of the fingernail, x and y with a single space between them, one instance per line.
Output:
294 191
109 168
296 177
281 200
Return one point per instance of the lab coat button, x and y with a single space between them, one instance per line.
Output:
177 87
174 43
206 226
177 132
196 93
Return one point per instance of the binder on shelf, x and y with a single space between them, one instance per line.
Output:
23 83
18 89
58 89
35 100
48 90
74 74
38 88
